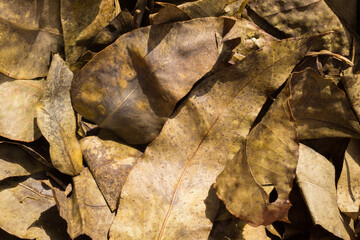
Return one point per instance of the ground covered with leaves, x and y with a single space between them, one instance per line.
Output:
202 119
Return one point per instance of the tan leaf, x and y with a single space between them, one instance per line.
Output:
148 71
297 17
86 212
204 8
164 195
28 35
348 191
56 119
18 100
315 176
81 21
15 161
22 203
110 163
170 13
320 108
268 157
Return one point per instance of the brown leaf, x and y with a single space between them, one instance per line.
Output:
148 71
29 32
268 157
110 163
320 108
18 100
170 13
166 193
204 8
297 17
81 21
86 212
352 88
315 176
15 161
29 199
56 119
348 192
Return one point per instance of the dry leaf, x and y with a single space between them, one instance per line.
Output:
15 161
268 157
315 176
86 212
110 163
320 108
166 193
29 32
352 88
148 71
56 119
297 17
170 13
28 198
348 191
18 100
81 21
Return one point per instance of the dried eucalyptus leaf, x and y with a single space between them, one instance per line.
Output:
56 119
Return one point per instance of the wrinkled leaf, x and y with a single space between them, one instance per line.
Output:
81 21
148 71
15 161
29 32
315 176
166 193
56 119
28 198
110 163
298 17
86 212
18 100
268 157
348 186
320 108
170 13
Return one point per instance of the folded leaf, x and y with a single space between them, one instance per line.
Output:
18 100
81 21
268 157
56 119
166 194
30 32
293 18
315 176
86 211
27 198
348 192
320 108
149 70
15 161
110 163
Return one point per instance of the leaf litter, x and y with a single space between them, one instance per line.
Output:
198 119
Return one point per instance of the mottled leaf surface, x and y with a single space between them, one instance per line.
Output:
166 193
267 157
315 176
110 162
86 211
81 21
148 71
320 108
348 192
29 32
56 119
18 100
352 88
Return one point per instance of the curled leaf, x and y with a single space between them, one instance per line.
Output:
86 211
56 119
18 100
